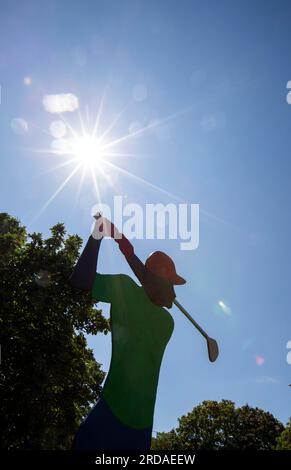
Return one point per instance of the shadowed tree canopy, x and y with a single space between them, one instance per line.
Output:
48 376
284 441
216 425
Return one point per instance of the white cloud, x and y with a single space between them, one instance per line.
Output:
61 103
267 379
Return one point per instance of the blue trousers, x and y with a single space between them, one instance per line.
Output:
101 430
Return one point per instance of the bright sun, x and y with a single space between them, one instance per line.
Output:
92 152
87 149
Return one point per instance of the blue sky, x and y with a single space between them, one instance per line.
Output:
220 70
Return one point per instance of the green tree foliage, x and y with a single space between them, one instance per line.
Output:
284 440
166 441
216 425
48 376
257 429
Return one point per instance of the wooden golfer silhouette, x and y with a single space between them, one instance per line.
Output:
141 328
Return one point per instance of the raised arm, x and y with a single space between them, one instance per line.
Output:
134 262
159 290
107 228
84 272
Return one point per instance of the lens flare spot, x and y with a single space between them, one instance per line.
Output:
58 129
27 81
260 360
224 307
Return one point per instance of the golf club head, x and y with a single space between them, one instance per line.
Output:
213 350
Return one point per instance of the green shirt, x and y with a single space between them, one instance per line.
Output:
140 333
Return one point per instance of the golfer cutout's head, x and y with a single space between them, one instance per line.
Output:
159 278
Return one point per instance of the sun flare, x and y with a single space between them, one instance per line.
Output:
92 151
87 149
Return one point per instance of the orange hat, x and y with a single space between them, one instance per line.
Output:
162 265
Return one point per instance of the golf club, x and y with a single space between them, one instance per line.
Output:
212 345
